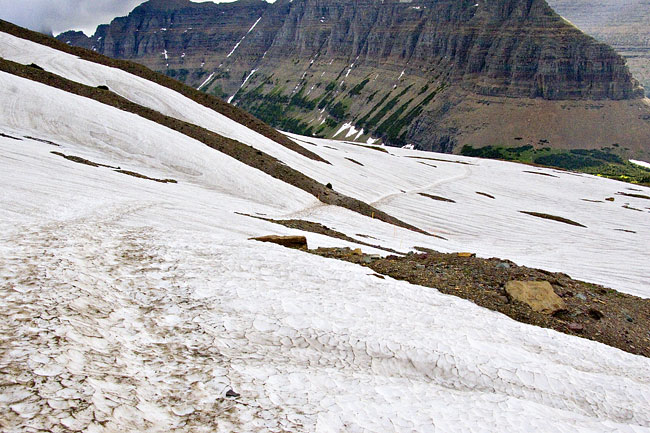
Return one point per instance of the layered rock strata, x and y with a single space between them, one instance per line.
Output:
436 74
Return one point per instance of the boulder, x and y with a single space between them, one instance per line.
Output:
539 295
285 241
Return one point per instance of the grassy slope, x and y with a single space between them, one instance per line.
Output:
605 162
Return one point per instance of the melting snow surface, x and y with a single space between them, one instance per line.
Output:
130 305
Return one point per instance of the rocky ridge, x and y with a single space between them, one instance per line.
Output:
623 24
436 74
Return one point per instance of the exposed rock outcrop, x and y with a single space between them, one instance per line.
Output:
402 71
623 24
538 295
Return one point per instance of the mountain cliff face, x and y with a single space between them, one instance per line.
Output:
179 37
623 24
433 73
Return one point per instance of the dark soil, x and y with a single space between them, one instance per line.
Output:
625 206
592 311
209 101
313 227
553 218
377 148
441 160
9 136
80 160
485 194
142 176
240 151
354 161
76 159
540 174
436 197
42 141
627 194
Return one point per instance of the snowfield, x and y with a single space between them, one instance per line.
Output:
132 305
602 253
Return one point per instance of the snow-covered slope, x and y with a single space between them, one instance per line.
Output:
602 253
132 305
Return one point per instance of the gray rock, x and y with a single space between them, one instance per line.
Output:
581 296
503 265
232 394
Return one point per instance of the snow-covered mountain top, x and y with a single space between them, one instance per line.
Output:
133 305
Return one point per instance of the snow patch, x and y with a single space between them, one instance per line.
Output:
243 37
640 163
206 81
344 127
242 85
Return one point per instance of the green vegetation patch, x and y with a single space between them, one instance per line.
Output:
276 108
178 74
362 122
600 162
392 126
339 110
370 124
218 92
359 87
302 101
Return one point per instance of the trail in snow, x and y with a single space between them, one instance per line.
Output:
152 331
389 197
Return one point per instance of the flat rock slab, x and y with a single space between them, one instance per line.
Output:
539 295
286 241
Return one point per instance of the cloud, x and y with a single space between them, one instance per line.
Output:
54 16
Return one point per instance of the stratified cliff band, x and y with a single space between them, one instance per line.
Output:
433 73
